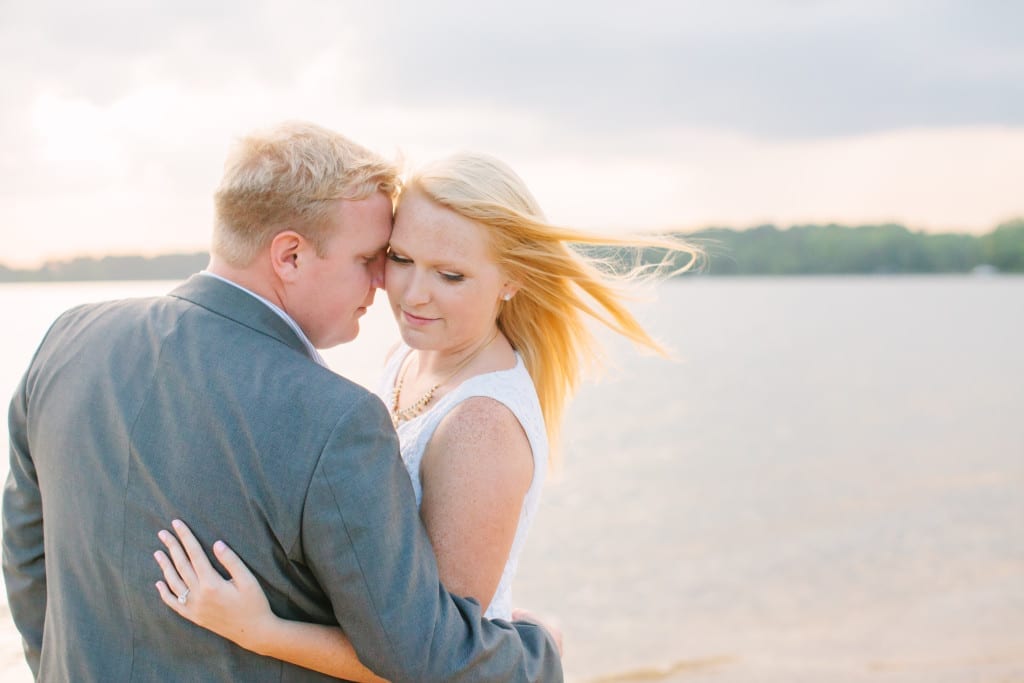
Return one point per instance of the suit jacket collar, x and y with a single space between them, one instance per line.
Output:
240 306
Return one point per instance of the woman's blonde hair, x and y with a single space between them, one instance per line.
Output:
558 285
286 178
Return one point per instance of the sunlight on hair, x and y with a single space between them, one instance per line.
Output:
565 275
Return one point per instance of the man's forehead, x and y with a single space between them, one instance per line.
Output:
375 244
368 236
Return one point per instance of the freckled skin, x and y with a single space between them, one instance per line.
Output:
445 290
429 245
475 473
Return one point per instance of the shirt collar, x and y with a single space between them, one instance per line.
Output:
284 316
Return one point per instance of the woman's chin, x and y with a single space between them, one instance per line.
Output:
415 339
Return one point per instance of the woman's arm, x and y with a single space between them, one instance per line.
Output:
475 474
239 611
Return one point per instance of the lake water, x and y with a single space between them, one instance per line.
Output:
827 484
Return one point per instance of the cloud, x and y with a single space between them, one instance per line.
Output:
771 69
116 116
766 68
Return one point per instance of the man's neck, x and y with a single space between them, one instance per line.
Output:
250 277
261 285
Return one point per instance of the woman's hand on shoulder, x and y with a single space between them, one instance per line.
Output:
237 609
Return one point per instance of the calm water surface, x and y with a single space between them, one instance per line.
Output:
826 485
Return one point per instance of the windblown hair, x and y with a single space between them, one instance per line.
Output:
286 178
559 286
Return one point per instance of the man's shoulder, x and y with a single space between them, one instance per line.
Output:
133 306
283 373
321 386
104 317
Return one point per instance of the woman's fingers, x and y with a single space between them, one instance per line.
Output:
234 609
233 563
169 598
181 562
186 565
196 555
172 580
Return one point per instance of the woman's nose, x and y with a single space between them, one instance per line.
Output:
416 290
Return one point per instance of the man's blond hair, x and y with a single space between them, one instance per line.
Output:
287 178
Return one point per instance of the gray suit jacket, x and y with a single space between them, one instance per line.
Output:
204 405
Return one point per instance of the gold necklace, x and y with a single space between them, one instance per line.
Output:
400 416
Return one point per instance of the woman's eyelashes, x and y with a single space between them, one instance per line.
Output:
446 275
396 258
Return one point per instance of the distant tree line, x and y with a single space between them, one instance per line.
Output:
842 250
764 250
166 267
835 250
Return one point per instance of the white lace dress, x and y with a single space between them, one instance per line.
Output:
513 388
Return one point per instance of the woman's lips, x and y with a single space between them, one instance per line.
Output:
415 319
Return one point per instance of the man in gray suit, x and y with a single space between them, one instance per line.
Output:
209 404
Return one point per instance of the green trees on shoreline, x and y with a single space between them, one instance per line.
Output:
764 250
835 250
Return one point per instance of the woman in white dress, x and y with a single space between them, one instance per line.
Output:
490 301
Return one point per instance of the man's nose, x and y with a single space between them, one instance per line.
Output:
377 274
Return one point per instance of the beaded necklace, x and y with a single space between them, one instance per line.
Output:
406 414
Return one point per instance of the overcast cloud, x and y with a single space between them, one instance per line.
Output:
115 111
767 68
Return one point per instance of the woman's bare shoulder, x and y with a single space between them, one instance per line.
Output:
483 432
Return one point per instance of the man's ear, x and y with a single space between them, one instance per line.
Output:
287 249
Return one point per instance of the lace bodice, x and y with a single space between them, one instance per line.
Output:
513 388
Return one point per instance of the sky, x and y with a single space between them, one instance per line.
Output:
115 117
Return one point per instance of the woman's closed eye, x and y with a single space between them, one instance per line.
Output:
397 258
446 275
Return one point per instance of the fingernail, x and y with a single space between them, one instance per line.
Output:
219 546
162 535
176 523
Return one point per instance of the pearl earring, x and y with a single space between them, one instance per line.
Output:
507 297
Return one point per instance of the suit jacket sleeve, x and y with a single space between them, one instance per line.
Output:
23 555
363 539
